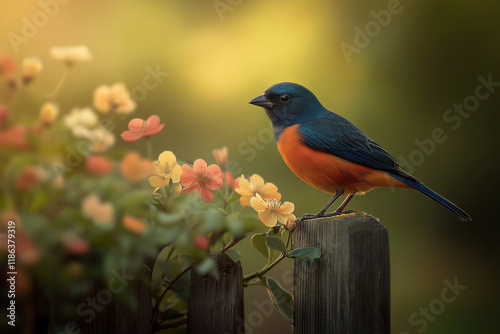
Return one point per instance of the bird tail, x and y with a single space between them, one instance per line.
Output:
448 205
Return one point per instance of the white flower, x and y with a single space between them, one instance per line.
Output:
71 54
85 117
100 212
100 139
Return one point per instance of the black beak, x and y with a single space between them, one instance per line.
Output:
262 101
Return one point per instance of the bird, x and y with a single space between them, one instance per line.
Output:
330 153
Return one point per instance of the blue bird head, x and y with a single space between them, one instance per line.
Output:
287 104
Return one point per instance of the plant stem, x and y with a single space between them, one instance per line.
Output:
288 239
149 147
231 243
59 85
158 301
254 283
172 248
264 270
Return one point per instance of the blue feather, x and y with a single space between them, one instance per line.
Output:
448 205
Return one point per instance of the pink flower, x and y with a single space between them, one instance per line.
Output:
202 242
232 183
202 179
98 165
26 249
28 178
8 65
15 137
221 156
4 114
138 128
76 245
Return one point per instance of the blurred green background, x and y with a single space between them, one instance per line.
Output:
396 87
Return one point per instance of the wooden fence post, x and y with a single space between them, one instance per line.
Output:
348 289
216 304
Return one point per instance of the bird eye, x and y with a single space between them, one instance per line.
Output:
284 98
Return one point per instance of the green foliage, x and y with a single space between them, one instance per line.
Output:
86 216
259 242
234 254
281 298
308 254
276 243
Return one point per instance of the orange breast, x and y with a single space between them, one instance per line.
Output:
327 172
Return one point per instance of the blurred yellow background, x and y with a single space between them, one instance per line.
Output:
395 80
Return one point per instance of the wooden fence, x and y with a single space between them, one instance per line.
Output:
346 291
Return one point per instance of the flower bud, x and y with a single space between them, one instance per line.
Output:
48 113
31 67
291 224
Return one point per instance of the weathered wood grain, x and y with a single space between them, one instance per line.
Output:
348 289
216 303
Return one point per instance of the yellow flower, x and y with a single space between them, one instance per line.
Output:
100 212
31 67
166 169
113 98
255 185
271 210
48 113
71 54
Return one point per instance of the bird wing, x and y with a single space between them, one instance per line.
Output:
336 135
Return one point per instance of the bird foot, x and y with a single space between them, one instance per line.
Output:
309 216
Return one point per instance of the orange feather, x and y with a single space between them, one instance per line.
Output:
327 172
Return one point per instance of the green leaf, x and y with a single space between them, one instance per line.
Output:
165 235
307 254
281 298
39 201
276 243
186 260
234 255
235 225
259 243
212 221
167 218
207 266
134 199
